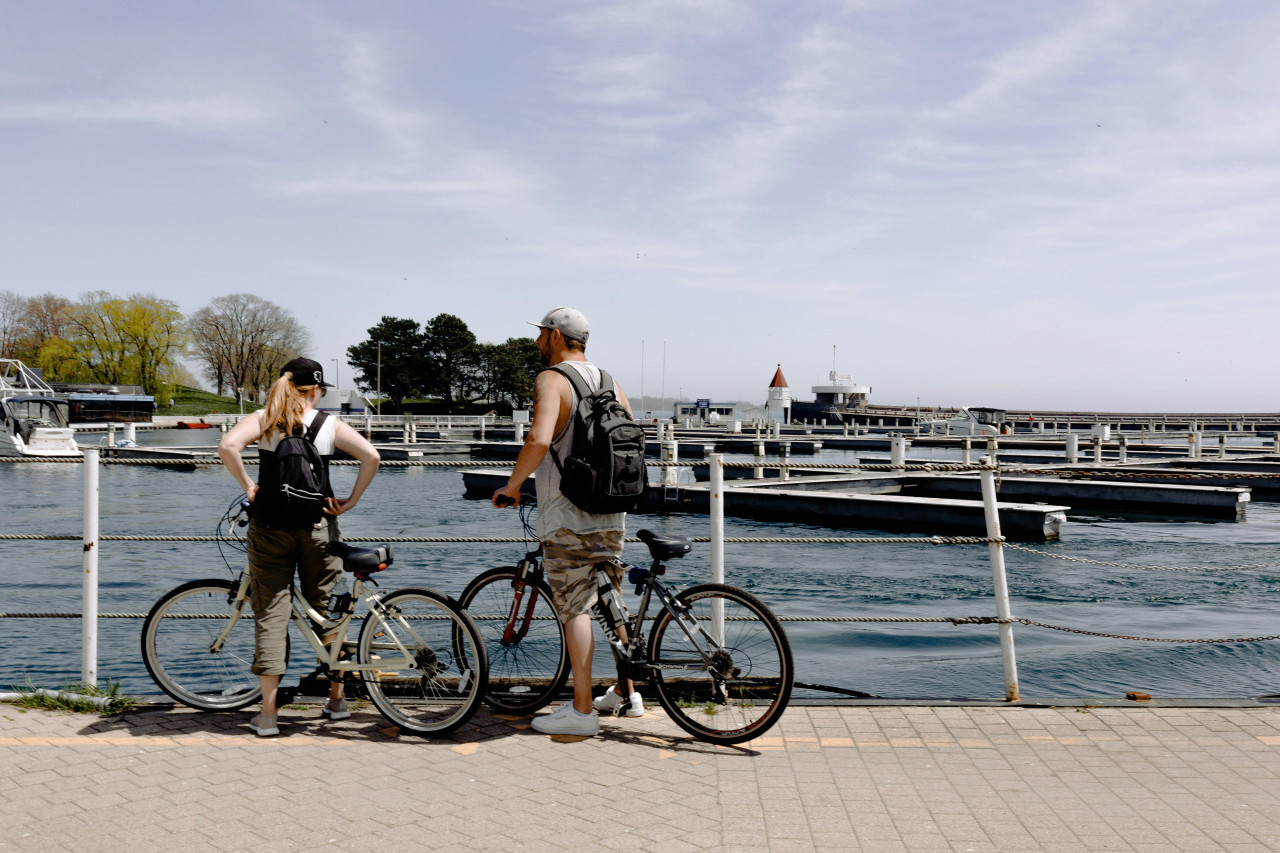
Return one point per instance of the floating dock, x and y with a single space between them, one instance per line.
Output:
864 502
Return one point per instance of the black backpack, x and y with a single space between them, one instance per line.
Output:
302 478
604 471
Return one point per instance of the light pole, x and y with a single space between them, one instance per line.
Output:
337 387
379 378
241 396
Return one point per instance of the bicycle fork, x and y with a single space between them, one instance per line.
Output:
511 634
236 600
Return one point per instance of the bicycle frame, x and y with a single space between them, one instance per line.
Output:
304 616
630 655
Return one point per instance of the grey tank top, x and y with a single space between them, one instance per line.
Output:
555 511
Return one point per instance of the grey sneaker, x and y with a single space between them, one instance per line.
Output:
609 702
566 721
336 709
264 725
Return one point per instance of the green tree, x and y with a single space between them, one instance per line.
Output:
451 358
116 340
403 360
157 335
96 332
508 370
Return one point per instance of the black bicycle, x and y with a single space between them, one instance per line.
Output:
716 657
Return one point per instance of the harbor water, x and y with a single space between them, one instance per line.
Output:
922 660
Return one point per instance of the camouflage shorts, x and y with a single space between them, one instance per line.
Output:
570 560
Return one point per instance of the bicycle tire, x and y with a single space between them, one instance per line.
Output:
176 640
443 688
525 674
759 657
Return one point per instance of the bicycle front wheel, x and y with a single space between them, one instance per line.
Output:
528 666
178 640
723 689
422 661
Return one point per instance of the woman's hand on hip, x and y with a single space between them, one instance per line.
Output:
337 506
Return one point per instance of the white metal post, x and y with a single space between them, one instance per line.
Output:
757 473
898 451
965 445
1000 581
670 452
1072 448
89 606
1123 443
717 541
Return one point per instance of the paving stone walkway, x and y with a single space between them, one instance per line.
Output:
827 778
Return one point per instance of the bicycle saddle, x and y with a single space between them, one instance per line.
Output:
364 561
663 547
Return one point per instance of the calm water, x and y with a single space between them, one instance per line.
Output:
935 660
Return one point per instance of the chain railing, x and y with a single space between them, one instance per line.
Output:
987 471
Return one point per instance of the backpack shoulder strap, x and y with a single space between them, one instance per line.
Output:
575 379
313 431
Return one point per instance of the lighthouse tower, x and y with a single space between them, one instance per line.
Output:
779 403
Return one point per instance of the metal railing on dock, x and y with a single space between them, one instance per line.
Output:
987 471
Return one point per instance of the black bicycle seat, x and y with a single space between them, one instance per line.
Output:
364 561
665 547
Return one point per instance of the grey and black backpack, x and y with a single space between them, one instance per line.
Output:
604 470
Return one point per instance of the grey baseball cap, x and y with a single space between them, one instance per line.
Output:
570 322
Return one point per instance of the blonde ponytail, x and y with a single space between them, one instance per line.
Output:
286 404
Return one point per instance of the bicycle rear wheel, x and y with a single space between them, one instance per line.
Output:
177 640
747 685
429 662
525 672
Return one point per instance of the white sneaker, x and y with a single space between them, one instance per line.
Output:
566 721
609 702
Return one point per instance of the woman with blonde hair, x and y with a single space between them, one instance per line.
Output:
280 539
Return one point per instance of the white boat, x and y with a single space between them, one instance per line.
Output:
970 420
33 420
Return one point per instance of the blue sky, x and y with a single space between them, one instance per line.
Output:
1066 205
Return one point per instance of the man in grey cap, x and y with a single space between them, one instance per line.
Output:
574 542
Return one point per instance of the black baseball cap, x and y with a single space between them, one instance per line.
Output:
305 372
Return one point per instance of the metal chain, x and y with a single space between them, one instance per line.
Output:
752 540
1142 475
485 617
1147 639
507 463
1115 565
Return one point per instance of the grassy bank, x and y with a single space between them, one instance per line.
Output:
193 401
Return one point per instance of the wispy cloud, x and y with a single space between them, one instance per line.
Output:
171 112
803 103
620 80
680 18
364 87
1031 62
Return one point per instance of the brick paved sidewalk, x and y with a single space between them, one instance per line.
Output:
827 778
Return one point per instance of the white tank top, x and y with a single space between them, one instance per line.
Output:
324 439
555 511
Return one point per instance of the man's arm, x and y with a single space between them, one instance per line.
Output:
546 412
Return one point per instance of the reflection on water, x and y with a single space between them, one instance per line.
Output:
918 660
